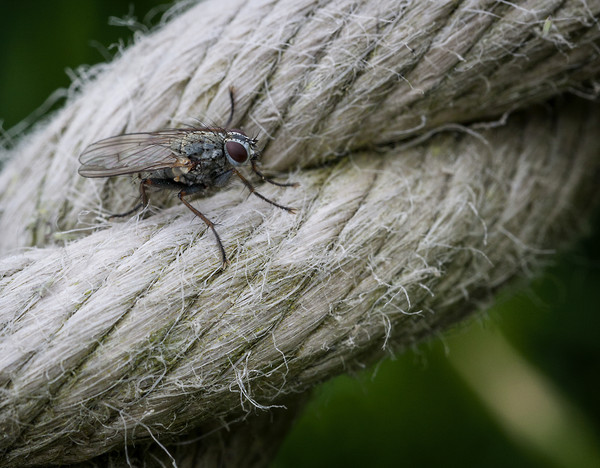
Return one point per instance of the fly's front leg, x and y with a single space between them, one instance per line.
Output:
271 181
262 197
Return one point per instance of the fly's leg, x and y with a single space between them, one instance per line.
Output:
209 223
262 197
183 191
141 204
188 190
271 181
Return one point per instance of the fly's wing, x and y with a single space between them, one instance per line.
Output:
131 153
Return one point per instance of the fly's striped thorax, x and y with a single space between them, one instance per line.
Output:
200 144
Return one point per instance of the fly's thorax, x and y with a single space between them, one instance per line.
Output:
206 144
207 169
205 151
200 144
209 157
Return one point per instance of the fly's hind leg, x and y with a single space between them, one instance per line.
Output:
143 200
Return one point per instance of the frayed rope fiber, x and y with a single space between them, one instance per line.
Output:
429 178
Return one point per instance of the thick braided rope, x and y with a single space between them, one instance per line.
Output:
409 214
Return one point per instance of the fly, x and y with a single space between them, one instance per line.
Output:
190 161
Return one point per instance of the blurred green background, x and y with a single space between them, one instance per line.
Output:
518 386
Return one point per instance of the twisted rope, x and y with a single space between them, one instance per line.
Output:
417 201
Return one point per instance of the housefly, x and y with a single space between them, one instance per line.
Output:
195 160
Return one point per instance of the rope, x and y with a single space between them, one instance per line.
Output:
419 197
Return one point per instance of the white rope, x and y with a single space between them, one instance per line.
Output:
115 331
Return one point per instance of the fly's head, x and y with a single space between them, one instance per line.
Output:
239 148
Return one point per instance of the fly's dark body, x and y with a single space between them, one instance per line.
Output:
191 161
202 159
206 149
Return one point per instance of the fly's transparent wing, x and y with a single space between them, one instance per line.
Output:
131 153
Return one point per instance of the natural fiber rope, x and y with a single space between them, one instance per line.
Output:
119 332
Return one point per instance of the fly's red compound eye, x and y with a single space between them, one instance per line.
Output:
236 151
